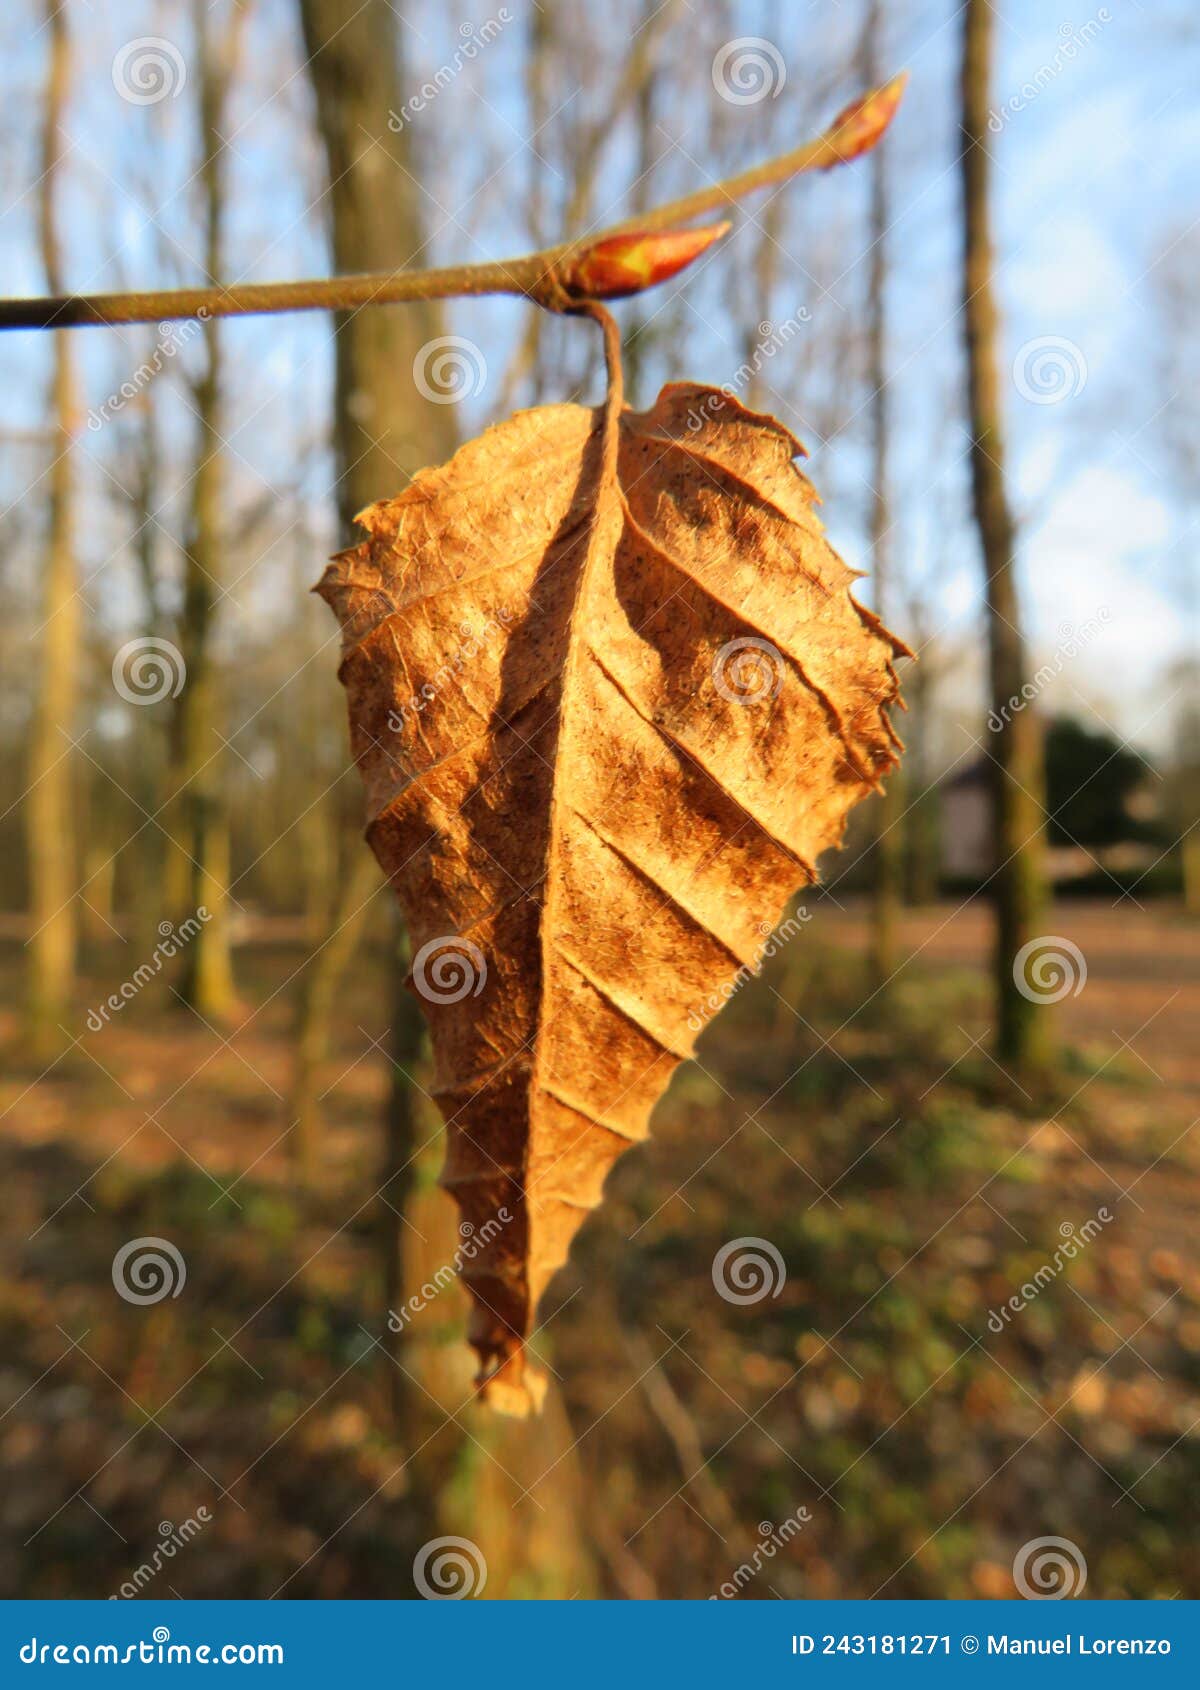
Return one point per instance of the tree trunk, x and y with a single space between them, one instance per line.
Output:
398 1170
98 874
384 433
1189 855
149 779
201 818
383 429
888 852
346 917
1018 881
922 831
48 807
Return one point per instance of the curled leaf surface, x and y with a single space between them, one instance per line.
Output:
611 698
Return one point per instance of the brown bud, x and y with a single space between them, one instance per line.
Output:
855 130
625 264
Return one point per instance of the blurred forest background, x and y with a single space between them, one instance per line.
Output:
915 1132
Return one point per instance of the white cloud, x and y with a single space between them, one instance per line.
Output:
1090 559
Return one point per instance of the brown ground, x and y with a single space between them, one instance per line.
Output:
1143 981
907 1184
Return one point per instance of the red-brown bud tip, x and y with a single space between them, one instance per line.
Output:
625 264
855 130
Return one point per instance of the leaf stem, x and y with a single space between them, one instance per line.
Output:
614 400
612 349
538 276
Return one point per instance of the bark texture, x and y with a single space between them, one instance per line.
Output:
888 853
49 814
201 816
1018 781
384 431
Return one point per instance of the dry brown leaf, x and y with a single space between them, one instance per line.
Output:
611 699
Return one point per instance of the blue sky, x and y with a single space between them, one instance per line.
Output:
1096 174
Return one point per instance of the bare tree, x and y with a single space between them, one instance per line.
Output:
347 901
202 815
50 830
888 851
144 492
1018 881
384 431
1179 429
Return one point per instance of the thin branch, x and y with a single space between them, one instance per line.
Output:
546 277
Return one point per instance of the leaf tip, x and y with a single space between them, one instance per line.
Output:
515 1388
